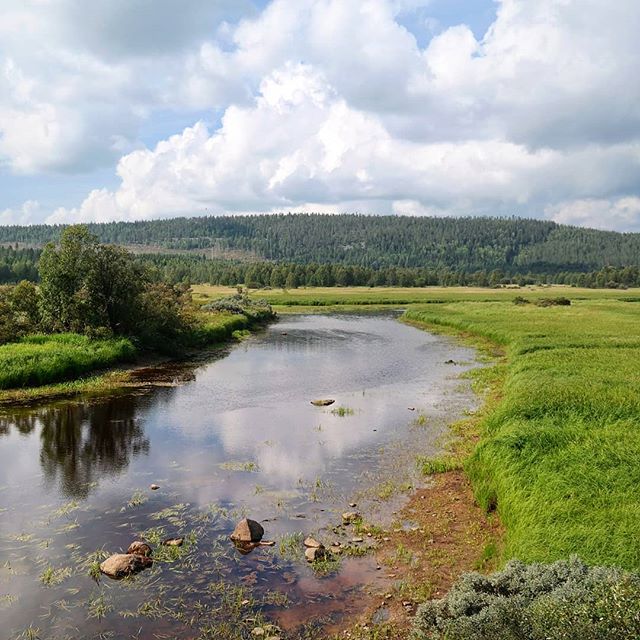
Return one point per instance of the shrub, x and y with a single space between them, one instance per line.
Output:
560 301
565 600
520 300
242 304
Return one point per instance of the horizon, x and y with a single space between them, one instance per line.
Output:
122 112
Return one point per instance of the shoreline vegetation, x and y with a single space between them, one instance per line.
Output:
96 308
554 456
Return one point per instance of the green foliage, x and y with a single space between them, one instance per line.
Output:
256 310
346 250
559 453
565 600
42 359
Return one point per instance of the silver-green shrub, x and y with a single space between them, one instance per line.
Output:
565 600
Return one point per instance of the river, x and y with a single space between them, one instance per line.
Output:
229 436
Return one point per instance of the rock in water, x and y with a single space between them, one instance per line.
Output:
322 403
154 487
350 516
173 542
140 548
312 554
312 543
247 531
121 565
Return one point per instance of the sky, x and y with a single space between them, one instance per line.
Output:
140 109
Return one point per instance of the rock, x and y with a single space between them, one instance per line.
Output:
121 565
154 487
173 542
411 408
353 505
312 543
357 540
450 362
247 531
267 543
140 548
349 517
313 554
323 402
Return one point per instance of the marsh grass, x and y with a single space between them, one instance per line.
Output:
559 448
44 359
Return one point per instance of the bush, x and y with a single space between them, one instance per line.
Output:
520 300
242 304
560 301
565 600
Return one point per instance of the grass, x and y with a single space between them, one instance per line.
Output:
40 360
52 366
558 455
399 296
342 411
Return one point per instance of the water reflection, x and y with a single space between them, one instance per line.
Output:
81 443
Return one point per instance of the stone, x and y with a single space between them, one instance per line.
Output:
154 487
247 531
140 548
173 542
323 402
312 554
121 565
356 539
350 516
312 543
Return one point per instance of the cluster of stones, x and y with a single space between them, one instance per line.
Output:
137 558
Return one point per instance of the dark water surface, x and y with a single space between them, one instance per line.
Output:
233 436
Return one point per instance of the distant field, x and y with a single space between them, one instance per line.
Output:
560 454
327 296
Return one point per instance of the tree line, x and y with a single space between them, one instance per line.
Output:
469 245
190 269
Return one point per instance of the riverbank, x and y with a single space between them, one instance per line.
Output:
557 458
50 367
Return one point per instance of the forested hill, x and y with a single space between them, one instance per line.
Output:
513 245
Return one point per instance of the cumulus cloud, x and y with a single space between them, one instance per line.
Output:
332 103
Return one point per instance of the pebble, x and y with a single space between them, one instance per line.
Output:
154 487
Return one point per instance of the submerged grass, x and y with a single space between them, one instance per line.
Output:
558 455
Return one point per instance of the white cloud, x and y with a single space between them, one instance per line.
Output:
332 103
622 214
26 214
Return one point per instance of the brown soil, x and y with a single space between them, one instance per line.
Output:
445 534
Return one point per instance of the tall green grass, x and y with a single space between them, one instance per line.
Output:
560 453
43 359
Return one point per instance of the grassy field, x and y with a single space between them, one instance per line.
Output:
338 296
560 453
40 360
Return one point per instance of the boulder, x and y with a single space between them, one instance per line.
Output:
247 531
350 516
121 565
140 548
322 402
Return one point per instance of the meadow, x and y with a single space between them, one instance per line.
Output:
401 296
559 453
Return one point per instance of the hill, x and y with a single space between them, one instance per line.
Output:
513 245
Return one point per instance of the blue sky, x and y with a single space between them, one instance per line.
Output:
123 110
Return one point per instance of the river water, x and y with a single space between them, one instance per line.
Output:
225 437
